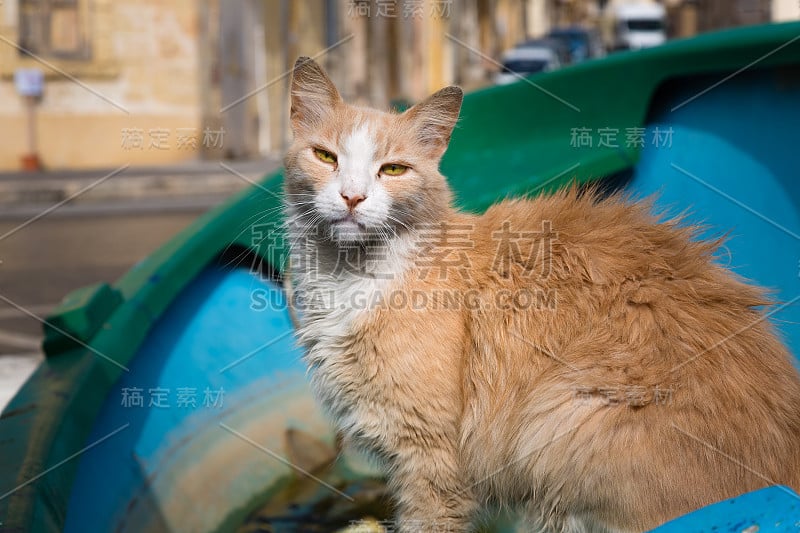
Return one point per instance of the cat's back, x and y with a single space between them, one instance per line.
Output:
641 332
579 236
613 271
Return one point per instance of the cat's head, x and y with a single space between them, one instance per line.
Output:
363 174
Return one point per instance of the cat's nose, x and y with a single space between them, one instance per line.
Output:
353 200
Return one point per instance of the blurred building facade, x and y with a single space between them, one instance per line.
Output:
149 82
112 68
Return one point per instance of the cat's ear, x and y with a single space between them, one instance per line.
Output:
313 95
433 119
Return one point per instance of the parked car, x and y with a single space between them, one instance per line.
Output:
526 60
582 43
637 26
557 45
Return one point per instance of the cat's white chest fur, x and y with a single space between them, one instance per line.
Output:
334 304
334 296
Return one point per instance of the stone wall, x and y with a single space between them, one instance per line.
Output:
165 78
135 100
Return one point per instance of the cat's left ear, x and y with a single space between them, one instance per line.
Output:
313 95
433 119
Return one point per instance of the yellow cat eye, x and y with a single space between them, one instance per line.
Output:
393 169
325 156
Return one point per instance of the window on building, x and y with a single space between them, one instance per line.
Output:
53 28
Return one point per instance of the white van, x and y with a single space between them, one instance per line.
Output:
639 25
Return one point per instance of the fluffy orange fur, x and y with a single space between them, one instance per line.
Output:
574 356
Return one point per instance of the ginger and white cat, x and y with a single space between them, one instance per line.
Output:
571 356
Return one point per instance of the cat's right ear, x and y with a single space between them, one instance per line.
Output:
433 119
313 95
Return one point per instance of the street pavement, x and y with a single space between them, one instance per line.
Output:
66 241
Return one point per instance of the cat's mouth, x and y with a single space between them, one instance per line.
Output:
348 229
348 221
